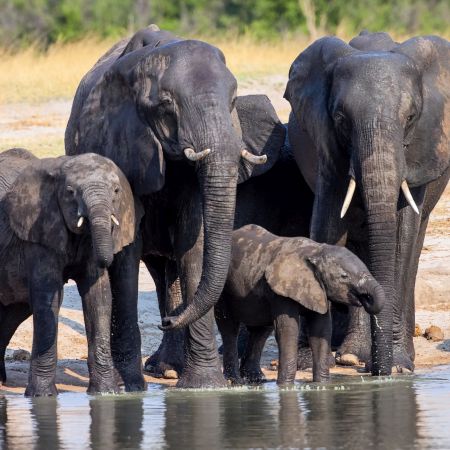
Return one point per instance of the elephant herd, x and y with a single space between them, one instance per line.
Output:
164 160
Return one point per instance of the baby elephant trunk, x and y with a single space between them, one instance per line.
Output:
99 217
372 296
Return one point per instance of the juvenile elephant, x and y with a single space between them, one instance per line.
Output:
165 110
274 279
370 128
60 218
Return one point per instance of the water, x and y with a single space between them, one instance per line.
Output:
408 412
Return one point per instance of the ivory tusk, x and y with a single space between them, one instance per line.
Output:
409 197
191 154
80 221
114 219
254 159
348 197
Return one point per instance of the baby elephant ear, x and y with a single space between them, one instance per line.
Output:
130 215
33 209
289 275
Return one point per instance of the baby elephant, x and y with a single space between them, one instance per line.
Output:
60 218
274 279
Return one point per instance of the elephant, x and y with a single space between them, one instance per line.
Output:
374 115
165 111
271 281
61 218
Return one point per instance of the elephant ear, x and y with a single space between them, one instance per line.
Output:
130 214
431 55
111 125
372 42
289 275
261 130
150 36
32 206
308 85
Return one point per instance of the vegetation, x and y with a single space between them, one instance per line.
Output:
26 21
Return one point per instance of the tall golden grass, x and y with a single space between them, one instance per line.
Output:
33 76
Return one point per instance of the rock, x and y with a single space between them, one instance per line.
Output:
170 374
347 359
434 333
21 355
274 364
417 330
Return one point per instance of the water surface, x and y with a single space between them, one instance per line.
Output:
409 412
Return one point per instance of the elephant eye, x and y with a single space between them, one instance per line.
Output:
116 190
410 118
70 190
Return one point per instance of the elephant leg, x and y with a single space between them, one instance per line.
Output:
169 357
319 333
229 330
286 321
251 360
356 345
202 366
125 335
46 295
10 318
95 291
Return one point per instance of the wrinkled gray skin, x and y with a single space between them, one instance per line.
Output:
43 244
378 112
143 104
271 281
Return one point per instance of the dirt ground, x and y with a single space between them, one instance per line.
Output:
41 129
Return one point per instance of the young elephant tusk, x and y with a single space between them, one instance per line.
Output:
254 159
348 197
191 154
114 219
80 222
409 197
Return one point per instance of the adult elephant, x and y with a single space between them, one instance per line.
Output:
374 115
165 110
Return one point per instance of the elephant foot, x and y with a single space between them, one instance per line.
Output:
252 374
168 361
304 359
129 374
354 350
402 362
201 378
40 389
103 387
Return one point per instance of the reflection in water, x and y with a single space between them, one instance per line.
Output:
405 413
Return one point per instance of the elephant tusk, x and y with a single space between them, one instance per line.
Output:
114 219
191 154
254 159
80 221
409 197
348 197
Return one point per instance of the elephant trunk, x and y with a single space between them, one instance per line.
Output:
99 216
372 296
218 181
378 169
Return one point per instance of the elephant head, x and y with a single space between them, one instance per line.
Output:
173 102
312 275
55 197
378 116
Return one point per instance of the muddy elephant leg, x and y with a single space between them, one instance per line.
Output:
125 334
229 330
168 360
286 321
11 317
356 344
319 333
250 368
95 291
46 294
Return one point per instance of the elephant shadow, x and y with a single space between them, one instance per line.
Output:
444 346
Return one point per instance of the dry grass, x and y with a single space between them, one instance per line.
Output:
43 146
31 76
